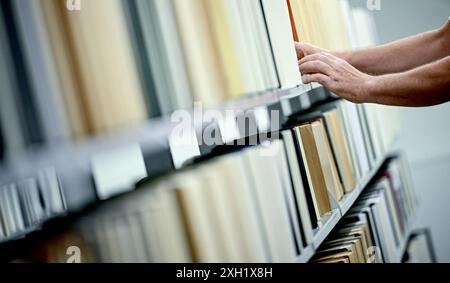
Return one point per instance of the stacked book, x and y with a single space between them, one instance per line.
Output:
377 226
26 204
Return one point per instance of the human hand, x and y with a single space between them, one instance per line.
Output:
304 49
337 75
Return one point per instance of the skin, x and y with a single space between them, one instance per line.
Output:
414 71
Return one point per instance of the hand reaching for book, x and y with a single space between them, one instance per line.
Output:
335 74
304 49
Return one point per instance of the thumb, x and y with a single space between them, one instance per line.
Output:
301 50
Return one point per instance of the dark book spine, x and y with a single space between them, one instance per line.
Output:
308 194
32 128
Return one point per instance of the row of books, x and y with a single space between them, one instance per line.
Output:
321 23
26 204
68 74
375 229
260 204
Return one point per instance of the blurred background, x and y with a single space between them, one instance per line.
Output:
425 135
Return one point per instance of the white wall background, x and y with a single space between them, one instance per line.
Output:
425 135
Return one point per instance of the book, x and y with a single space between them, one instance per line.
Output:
204 241
11 123
62 54
316 177
281 38
243 208
206 79
264 45
271 201
354 132
33 37
137 14
288 189
32 128
223 37
299 188
339 144
327 161
113 96
248 25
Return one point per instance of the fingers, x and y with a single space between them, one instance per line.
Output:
305 49
318 78
300 50
323 57
312 67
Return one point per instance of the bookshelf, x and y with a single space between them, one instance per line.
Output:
345 205
90 172
152 137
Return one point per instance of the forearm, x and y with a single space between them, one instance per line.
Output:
425 86
401 55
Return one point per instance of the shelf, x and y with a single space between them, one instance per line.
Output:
73 161
307 254
329 222
401 249
349 199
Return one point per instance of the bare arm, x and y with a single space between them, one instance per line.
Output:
401 55
395 57
424 86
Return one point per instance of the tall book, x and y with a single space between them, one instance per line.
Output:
298 185
279 26
42 71
140 27
272 204
264 46
316 177
156 20
62 52
336 133
243 209
113 95
204 241
219 203
307 180
222 34
170 230
176 62
207 80
327 161
10 120
288 189
246 13
33 131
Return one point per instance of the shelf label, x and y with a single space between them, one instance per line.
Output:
117 171
184 145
